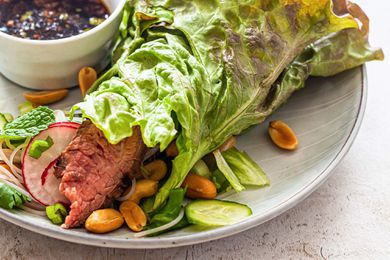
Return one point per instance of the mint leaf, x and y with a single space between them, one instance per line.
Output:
10 197
28 125
38 147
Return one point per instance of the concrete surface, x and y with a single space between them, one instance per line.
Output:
347 218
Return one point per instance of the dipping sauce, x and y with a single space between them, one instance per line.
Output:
50 19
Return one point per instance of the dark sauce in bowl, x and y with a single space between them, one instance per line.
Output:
50 19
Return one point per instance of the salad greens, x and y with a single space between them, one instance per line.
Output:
38 147
170 211
225 169
28 125
220 181
328 56
10 198
246 170
202 71
200 168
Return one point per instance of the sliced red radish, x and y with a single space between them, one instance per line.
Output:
38 173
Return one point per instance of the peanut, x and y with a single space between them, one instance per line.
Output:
199 187
156 170
46 97
143 189
230 143
134 216
282 135
103 221
172 150
87 76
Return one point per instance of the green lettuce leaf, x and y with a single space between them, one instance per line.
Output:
328 56
28 125
220 181
246 170
202 71
169 212
10 198
227 171
344 50
200 168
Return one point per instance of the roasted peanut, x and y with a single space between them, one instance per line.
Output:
46 97
143 189
87 76
230 143
134 216
199 187
156 170
282 135
172 150
103 221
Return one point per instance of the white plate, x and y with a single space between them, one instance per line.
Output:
326 116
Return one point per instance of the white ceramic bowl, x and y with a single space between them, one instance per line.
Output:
54 64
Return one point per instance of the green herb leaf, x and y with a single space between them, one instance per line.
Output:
169 212
56 213
28 125
40 146
10 197
220 181
246 170
342 51
224 167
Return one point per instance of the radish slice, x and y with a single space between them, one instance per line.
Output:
38 173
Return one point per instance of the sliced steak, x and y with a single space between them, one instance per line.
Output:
93 170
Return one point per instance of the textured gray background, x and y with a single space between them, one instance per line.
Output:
347 218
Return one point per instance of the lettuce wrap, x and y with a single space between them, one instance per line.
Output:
202 71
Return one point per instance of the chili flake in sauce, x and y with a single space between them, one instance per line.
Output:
50 19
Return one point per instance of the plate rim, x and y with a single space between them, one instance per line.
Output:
210 235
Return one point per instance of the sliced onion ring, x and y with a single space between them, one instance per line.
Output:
162 228
33 211
15 170
128 195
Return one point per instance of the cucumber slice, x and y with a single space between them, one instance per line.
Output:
216 212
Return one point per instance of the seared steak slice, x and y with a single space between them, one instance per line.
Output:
93 170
